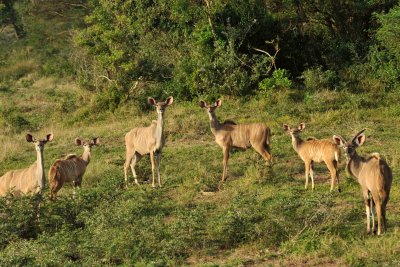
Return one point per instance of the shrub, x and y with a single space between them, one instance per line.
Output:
279 80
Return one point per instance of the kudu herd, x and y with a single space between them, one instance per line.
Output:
372 172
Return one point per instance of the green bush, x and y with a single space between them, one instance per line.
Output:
279 80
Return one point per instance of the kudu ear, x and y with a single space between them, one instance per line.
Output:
78 142
286 127
169 100
49 137
151 101
202 104
218 103
338 140
95 141
359 139
29 138
302 126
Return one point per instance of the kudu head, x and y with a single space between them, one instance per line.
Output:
39 144
210 108
162 105
87 145
350 147
294 132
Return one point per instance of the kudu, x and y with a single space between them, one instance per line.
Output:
231 135
374 176
29 180
147 140
314 150
71 168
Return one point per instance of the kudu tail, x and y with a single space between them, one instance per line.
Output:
337 156
268 136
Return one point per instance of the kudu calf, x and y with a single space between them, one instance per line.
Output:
71 168
147 140
231 135
314 150
30 180
374 176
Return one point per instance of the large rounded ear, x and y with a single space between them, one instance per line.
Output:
96 141
29 138
169 100
359 140
302 126
286 127
78 142
49 137
151 101
338 140
218 103
202 104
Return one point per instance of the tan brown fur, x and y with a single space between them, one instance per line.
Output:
374 176
314 150
29 180
141 141
231 135
70 169
20 182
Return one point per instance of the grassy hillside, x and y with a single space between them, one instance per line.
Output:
262 216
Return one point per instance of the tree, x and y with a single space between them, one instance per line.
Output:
384 57
8 15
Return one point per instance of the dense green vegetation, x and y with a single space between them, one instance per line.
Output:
84 69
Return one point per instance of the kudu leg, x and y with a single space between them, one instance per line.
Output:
136 158
332 166
307 167
158 161
312 174
367 211
378 209
384 199
225 163
152 168
128 160
77 185
263 151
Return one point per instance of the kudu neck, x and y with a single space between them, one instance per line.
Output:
86 156
159 131
354 165
214 123
296 142
40 176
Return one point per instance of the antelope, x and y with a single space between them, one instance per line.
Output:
141 141
314 150
29 180
231 135
71 168
374 176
